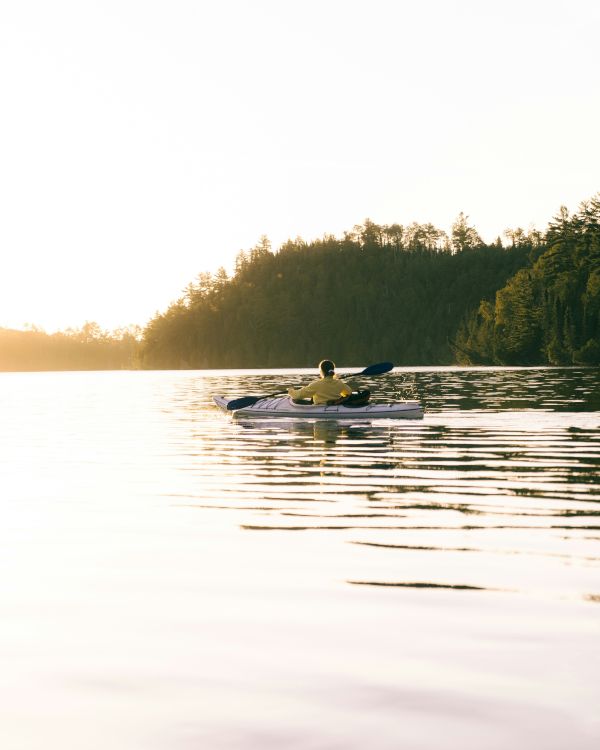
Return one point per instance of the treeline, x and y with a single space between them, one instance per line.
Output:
412 294
379 292
549 311
87 348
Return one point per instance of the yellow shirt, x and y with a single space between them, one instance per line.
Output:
322 390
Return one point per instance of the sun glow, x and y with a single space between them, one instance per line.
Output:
143 143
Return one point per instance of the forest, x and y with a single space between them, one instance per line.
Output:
380 292
412 294
549 311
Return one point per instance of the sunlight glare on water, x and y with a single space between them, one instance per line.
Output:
174 577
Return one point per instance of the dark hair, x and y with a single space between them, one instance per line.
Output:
327 367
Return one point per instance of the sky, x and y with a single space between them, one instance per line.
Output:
143 142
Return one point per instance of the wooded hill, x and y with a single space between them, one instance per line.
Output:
411 294
549 311
380 292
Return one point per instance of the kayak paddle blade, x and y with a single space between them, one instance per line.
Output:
241 403
378 369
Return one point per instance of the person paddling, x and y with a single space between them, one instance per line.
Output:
326 390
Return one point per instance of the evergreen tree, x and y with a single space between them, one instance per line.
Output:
547 313
464 236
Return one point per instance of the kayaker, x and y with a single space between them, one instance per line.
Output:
326 390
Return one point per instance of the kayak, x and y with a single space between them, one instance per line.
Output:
283 406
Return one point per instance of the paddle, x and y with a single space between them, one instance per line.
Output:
379 369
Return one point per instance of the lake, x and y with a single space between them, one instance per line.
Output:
173 578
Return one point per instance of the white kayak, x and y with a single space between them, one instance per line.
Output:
283 406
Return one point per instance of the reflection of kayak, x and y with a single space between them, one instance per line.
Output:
283 406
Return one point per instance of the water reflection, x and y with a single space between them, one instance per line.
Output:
548 389
326 431
558 389
439 589
419 585
495 445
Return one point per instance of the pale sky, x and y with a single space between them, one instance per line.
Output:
145 141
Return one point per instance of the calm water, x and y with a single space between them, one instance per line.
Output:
173 578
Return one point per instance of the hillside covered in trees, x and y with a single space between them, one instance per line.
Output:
380 292
411 294
549 311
